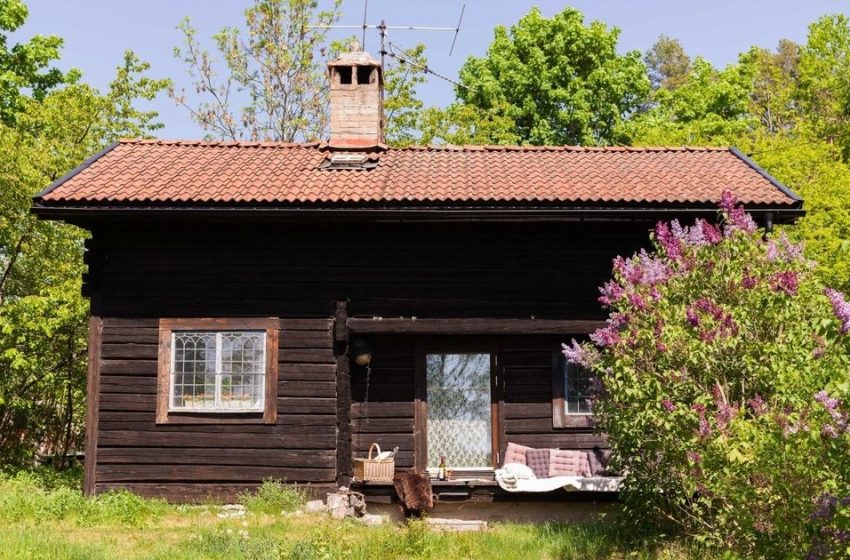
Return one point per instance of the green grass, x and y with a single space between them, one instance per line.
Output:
43 518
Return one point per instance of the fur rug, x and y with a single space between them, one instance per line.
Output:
414 493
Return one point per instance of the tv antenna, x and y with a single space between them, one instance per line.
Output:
386 47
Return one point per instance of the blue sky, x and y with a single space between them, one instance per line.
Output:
96 32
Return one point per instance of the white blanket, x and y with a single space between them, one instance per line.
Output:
511 483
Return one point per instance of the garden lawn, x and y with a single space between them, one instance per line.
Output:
49 519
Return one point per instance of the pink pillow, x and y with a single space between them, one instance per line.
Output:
515 454
538 460
563 462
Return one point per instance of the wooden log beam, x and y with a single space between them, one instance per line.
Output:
344 465
380 325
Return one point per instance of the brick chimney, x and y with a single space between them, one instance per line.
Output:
357 109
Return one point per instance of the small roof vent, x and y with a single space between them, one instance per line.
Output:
349 160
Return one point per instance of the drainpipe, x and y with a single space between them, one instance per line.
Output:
768 223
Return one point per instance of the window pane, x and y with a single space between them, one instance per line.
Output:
458 393
578 388
242 366
218 371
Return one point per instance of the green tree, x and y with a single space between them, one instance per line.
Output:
551 81
42 313
708 106
824 86
667 62
26 66
275 73
403 110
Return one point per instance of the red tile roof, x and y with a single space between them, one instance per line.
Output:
220 173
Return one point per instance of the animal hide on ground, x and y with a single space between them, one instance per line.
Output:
414 493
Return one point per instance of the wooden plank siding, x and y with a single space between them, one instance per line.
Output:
299 273
216 459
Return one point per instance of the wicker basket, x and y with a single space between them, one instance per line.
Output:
373 470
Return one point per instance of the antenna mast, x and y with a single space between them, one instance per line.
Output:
383 28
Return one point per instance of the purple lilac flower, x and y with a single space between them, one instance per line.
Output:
668 405
692 317
783 249
668 240
787 282
711 234
724 415
694 457
610 292
637 301
695 234
758 406
654 270
828 402
829 431
704 429
605 337
840 307
575 353
736 216
749 282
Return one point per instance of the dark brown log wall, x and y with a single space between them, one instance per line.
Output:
423 270
138 275
215 459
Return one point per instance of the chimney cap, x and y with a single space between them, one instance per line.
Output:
355 57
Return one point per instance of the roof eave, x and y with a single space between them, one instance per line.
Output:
87 214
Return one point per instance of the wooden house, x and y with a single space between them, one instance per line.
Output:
233 284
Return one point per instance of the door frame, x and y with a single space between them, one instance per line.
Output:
460 344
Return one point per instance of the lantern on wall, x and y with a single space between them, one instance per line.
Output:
360 352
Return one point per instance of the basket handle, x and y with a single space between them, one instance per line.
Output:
373 446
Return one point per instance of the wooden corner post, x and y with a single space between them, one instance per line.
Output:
92 403
344 462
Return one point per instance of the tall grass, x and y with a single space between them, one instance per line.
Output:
48 518
274 497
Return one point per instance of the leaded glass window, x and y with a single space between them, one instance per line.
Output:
220 371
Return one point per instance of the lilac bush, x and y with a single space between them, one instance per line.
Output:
723 387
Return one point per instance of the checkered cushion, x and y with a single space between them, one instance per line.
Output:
563 462
538 460
515 454
599 461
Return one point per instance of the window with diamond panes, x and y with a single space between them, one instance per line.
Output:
217 371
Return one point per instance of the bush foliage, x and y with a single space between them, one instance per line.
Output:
723 378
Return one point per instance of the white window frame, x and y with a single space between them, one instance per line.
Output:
217 408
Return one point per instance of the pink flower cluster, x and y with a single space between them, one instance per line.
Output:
840 307
580 355
839 419
787 282
737 218
783 249
723 323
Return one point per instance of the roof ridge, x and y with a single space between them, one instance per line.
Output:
216 143
430 147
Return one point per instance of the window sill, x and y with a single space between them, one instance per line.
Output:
573 420
187 417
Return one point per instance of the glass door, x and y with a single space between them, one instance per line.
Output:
459 420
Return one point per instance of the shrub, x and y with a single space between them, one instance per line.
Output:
723 378
274 497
